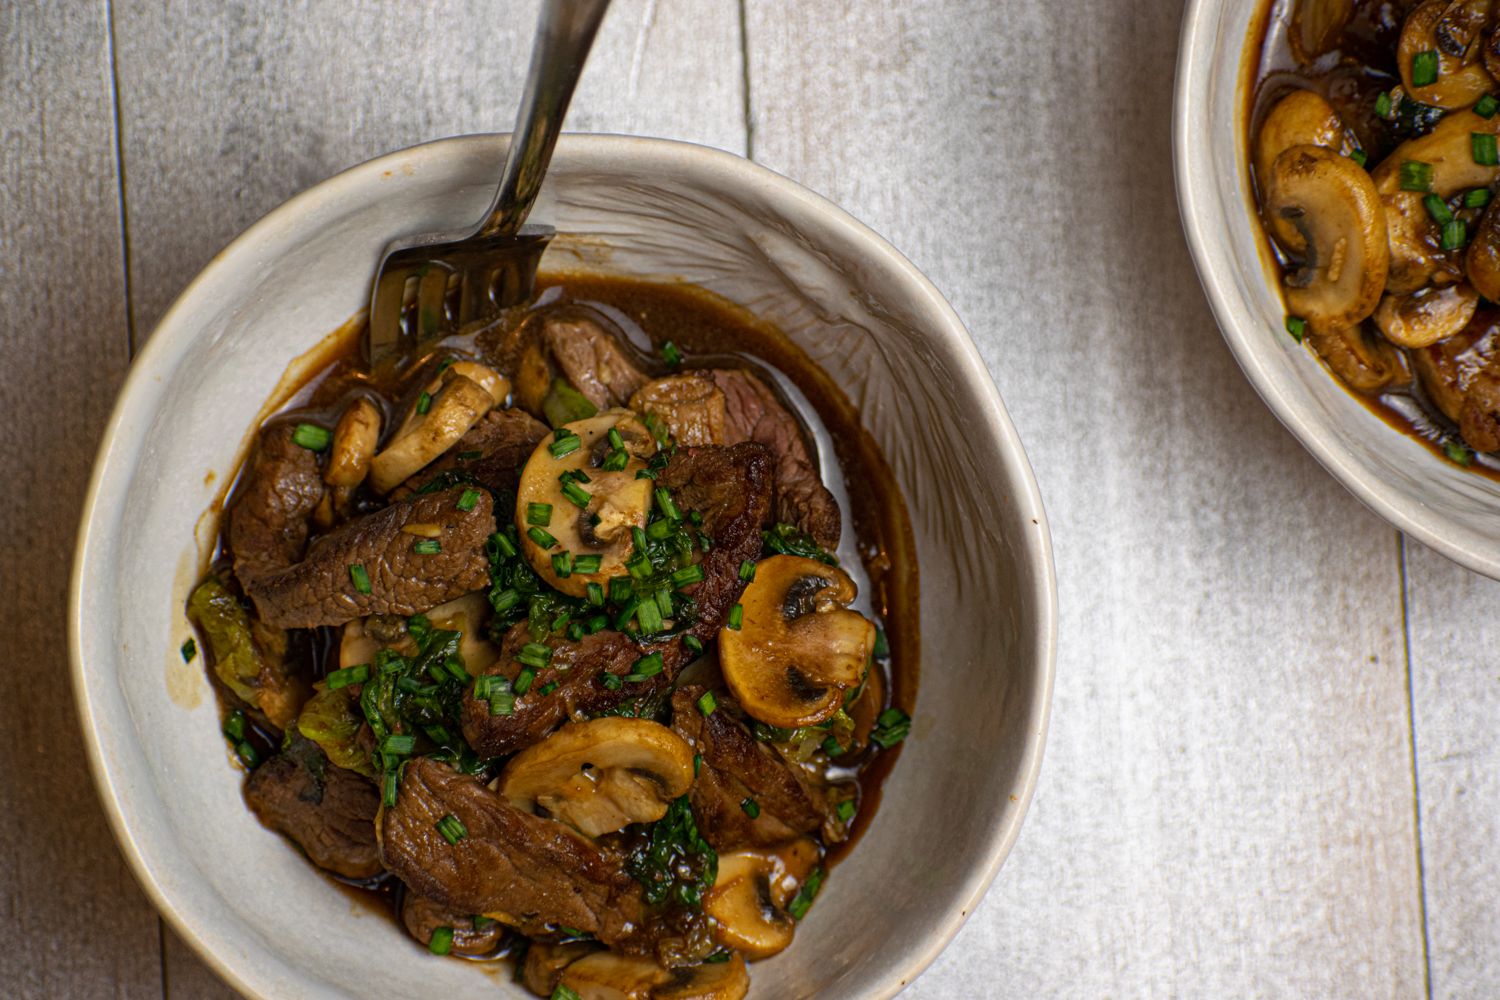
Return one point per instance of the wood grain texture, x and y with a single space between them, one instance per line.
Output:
78 925
1455 679
228 109
1225 807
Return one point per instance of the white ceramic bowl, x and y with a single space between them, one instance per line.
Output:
1433 500
253 907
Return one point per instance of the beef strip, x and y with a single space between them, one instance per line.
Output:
753 413
327 811
539 874
737 766
321 590
731 489
492 453
691 406
422 916
592 360
269 515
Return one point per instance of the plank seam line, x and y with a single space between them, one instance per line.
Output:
1416 784
120 186
745 82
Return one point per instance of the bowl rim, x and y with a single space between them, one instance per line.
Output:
1200 208
168 342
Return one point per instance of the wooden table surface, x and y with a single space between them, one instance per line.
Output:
1274 766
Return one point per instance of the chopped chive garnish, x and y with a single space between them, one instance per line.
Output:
621 589
615 461
577 631
891 727
615 441
189 650
539 514
349 675
1458 453
707 703
645 474
736 617
390 784
427 546
803 900
747 570
360 577
1438 209
831 746
1424 68
467 500
689 574
534 654
665 505
562 564
649 615
564 992
659 531
588 564
627 612
424 403
505 600
613 682
1359 156
441 942
1482 145
482 922
312 437
1477 198
565 446
541 537
234 726
882 644
523 681
697 764
503 544
1416 175
598 623
247 754
1383 104
846 810
1486 106
1297 327
594 593
576 495
547 688
398 743
1455 235
670 354
452 828
692 645
751 808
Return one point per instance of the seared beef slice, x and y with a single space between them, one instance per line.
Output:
268 519
328 811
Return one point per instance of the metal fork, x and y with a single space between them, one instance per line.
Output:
430 285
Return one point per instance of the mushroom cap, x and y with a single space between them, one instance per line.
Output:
1317 25
618 499
799 647
1452 30
1301 118
458 405
749 898
1333 203
1482 259
1365 364
354 440
601 776
605 975
1427 315
1414 253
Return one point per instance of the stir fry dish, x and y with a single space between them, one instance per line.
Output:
1374 154
556 640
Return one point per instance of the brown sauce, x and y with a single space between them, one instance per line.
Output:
877 549
1351 76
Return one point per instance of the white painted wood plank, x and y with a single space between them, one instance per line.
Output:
75 922
228 109
1226 805
1455 666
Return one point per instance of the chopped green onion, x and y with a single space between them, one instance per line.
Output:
505 600
562 564
627 612
751 808
189 650
577 631
424 403
621 589
697 764
467 500
503 544
846 810
803 900
1458 453
441 941
891 727
539 514
482 922
588 564
882 644
747 570
452 828
660 530
1359 156
564 993
1482 145
1455 235
360 577
1297 327
691 643
391 783
534 654
594 593
541 537
689 574
234 726
615 441
427 546
1438 209
312 437
670 354
1383 105
612 682
736 617
615 461
1486 106
649 616
1424 68
649 666
576 495
247 754
831 746
1416 175
665 504
707 703
547 688
565 445
349 675
523 681
398 743
645 474
1477 198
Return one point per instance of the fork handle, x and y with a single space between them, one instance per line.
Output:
565 30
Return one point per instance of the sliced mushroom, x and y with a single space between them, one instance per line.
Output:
356 645
1365 364
458 405
1427 315
545 963
798 647
1317 25
605 975
601 776
615 501
1482 260
1415 253
354 440
750 895
468 615
1452 29
1301 118
1332 202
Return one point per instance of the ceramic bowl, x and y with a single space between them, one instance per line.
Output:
1435 501
243 896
